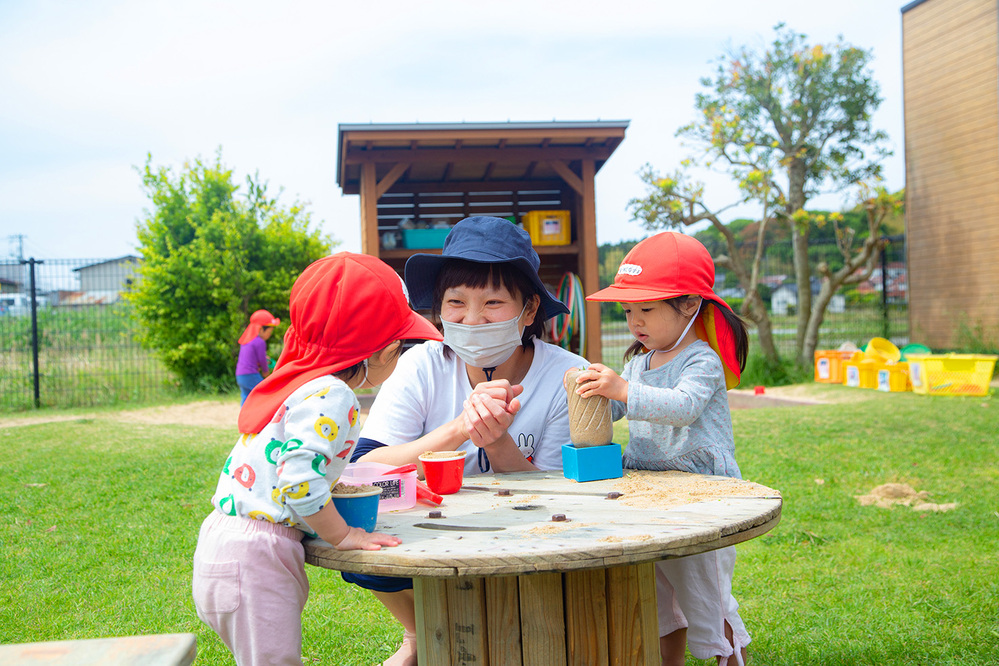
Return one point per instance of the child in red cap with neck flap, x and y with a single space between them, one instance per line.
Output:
690 347
350 315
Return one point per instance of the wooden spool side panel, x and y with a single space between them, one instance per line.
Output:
503 621
433 635
542 619
586 617
631 604
466 609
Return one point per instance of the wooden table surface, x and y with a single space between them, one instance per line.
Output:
483 533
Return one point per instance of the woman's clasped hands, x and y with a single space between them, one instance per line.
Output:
489 411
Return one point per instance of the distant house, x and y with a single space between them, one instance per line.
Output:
102 283
897 282
11 277
785 297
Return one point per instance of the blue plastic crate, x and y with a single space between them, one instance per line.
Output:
416 239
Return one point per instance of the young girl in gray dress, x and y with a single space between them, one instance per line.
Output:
689 349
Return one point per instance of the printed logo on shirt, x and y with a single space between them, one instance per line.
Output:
526 445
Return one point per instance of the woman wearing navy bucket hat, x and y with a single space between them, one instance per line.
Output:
492 388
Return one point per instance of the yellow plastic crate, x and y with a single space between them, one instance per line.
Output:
548 227
893 377
860 373
951 374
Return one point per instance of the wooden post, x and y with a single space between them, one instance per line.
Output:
369 209
589 261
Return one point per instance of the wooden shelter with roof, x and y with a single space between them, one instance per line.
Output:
428 175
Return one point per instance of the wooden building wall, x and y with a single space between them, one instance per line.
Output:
950 58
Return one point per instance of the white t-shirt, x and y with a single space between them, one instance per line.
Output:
427 390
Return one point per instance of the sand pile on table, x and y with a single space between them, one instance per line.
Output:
645 489
888 495
346 489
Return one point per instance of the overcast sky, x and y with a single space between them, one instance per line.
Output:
88 88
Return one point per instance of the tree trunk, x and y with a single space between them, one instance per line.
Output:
817 316
799 244
756 311
754 307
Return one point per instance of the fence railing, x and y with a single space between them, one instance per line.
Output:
72 340
877 307
75 342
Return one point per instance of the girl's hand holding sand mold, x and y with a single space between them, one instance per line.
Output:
598 379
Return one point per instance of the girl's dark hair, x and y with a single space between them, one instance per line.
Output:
348 374
461 273
734 321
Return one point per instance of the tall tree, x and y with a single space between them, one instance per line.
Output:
799 116
212 255
677 200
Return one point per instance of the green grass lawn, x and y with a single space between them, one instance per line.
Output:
100 521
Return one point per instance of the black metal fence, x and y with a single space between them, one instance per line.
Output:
75 342
877 307
68 337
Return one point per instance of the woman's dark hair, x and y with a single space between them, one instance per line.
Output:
461 273
736 323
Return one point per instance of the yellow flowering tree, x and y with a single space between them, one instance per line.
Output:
787 123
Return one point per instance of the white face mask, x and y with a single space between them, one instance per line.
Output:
484 345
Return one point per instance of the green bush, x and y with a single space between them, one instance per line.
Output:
209 260
761 371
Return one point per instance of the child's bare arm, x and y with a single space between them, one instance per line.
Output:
598 379
331 527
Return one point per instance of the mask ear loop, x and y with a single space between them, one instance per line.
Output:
365 380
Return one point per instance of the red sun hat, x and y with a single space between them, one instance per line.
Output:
668 265
344 308
258 320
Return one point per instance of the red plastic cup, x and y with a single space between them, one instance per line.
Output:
759 390
444 475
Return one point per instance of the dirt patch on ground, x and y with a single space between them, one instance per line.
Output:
217 413
213 413
888 495
220 413
800 394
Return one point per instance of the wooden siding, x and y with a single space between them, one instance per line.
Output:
950 60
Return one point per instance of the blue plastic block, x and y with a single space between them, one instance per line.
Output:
592 463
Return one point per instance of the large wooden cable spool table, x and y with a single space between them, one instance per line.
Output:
534 568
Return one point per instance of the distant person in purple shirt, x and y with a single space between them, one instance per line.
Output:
253 364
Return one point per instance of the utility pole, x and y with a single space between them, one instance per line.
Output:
19 238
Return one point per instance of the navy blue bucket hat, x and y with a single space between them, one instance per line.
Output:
485 240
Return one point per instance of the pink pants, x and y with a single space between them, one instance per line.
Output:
250 587
697 591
